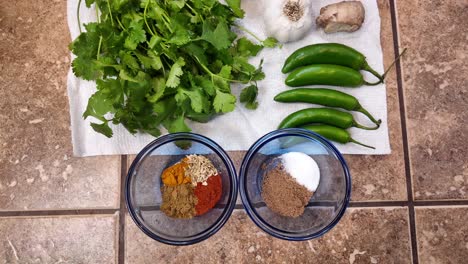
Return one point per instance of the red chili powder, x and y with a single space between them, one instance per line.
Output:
208 195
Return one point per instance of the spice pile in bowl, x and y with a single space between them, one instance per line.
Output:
289 185
191 187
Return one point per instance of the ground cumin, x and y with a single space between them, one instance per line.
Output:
282 194
179 201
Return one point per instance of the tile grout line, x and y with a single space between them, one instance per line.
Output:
357 204
441 203
76 212
110 211
123 176
409 187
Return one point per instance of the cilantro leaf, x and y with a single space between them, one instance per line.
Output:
235 5
86 44
140 77
204 4
258 74
98 106
248 96
197 52
224 102
177 124
136 92
155 62
221 80
155 40
108 95
220 38
225 72
89 3
198 101
155 132
129 61
207 85
246 48
86 68
270 42
135 36
181 37
164 109
173 80
116 5
200 117
177 5
146 61
242 64
158 86
103 129
152 61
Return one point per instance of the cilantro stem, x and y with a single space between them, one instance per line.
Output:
153 28
164 69
100 37
264 43
214 74
110 13
164 60
97 13
120 23
115 66
78 15
166 20
144 18
194 12
99 48
249 32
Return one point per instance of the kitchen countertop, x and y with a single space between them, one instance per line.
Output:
407 207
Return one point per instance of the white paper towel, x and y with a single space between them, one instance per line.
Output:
239 129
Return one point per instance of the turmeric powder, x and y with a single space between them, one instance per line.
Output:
175 174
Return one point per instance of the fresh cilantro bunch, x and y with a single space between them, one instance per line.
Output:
160 62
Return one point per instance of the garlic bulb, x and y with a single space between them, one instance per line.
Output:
287 20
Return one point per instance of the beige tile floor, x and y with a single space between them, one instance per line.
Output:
407 207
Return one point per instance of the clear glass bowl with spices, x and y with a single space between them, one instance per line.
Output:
181 189
294 184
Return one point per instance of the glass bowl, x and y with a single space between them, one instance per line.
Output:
143 189
326 206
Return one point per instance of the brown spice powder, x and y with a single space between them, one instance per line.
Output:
283 195
178 201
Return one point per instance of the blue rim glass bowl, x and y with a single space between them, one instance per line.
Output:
143 193
327 205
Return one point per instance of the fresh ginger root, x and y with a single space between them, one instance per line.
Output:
345 16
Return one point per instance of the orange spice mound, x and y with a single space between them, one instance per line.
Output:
175 174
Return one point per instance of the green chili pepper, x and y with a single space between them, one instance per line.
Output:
328 53
322 115
325 97
326 74
334 134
